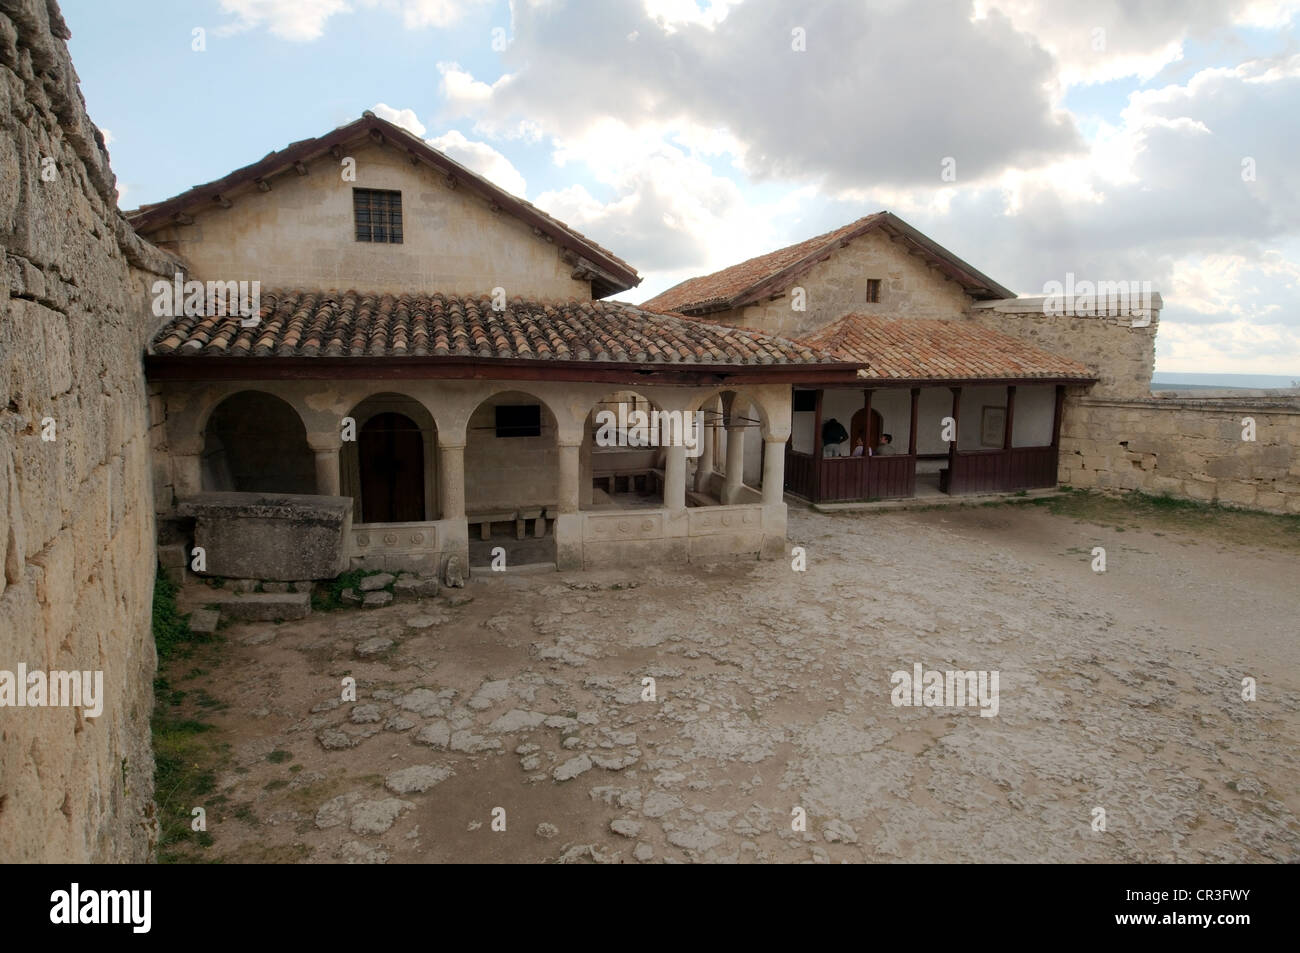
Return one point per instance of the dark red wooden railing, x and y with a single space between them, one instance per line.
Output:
837 479
997 471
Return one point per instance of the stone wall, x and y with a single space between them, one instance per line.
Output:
301 234
76 519
1121 354
909 288
1186 446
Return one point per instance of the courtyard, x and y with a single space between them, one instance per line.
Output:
520 702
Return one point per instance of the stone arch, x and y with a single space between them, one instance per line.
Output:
511 458
391 470
611 457
255 442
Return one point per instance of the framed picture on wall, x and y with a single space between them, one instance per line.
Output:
993 426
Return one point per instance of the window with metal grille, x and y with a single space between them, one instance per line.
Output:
873 290
378 215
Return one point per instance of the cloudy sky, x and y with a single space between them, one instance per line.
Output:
1116 139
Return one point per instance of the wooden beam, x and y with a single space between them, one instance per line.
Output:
867 449
222 200
415 159
300 168
911 433
956 432
336 151
180 218
262 184
816 489
1011 417
173 367
1056 415
451 181
377 136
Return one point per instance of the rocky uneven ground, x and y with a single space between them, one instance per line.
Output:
1119 690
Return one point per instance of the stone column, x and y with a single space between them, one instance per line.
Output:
704 462
451 481
570 467
735 475
675 477
773 470
326 447
187 474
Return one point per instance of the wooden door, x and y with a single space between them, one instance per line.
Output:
859 427
391 452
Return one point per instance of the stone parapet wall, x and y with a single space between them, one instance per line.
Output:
1186 447
76 518
1119 349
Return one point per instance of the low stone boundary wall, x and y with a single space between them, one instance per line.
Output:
1187 446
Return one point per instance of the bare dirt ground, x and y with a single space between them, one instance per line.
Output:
1119 690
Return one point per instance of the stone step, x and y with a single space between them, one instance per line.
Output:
260 606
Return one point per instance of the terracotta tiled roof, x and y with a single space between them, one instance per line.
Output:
912 349
748 281
356 324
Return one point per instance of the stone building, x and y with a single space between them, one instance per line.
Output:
433 352
969 382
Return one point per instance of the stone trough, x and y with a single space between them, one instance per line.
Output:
274 536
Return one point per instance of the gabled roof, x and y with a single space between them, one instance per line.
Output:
751 280
910 349
351 324
608 273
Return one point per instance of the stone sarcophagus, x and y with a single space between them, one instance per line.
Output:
274 536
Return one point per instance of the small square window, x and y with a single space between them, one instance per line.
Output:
377 214
873 290
519 420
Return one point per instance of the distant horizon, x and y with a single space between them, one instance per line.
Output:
1225 379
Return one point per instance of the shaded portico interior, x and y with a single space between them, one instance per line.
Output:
970 410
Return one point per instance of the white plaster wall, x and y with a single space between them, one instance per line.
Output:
1035 407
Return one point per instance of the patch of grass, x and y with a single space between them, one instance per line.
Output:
245 814
275 785
279 756
329 596
171 630
186 756
1172 514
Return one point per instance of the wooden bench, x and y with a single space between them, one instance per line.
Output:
485 520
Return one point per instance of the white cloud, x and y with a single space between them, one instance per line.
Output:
302 21
418 14
296 20
405 118
481 158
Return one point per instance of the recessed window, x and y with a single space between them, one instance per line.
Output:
873 290
519 420
378 215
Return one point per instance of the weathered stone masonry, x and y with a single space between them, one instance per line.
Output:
76 519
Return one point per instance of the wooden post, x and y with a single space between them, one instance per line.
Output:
867 448
911 433
1056 415
817 449
952 446
1011 416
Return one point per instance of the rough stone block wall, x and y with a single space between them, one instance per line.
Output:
1186 447
909 288
1121 356
76 518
